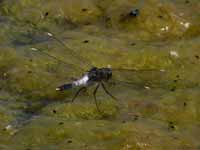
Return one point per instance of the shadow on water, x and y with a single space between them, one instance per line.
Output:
32 110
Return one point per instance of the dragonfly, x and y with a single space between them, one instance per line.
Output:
97 76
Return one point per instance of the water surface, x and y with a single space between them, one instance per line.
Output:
158 111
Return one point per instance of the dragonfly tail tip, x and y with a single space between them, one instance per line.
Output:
64 87
57 89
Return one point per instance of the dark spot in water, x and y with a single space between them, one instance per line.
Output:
69 141
85 41
171 125
197 56
123 121
29 72
134 13
122 15
184 104
87 23
187 1
54 111
31 60
46 14
28 149
61 123
133 44
175 81
178 76
136 117
86 146
173 89
107 19
84 9
160 16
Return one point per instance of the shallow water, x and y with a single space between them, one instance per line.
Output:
160 108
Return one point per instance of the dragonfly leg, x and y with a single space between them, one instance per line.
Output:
95 100
81 89
107 92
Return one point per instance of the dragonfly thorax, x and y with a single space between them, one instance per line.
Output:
99 74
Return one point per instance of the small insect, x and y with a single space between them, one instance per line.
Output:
98 76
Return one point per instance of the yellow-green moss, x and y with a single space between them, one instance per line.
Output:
158 109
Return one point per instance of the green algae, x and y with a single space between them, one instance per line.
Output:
160 108
81 111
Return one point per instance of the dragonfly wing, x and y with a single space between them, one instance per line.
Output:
138 78
46 42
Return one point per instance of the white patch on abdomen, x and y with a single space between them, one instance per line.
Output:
82 81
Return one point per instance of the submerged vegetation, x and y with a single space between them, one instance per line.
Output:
45 43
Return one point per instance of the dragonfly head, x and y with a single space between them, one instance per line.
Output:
106 73
109 72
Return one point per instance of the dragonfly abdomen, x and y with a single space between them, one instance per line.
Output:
81 82
64 87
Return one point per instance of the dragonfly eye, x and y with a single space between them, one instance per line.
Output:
109 73
93 69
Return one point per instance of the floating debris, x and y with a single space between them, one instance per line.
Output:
147 87
166 28
49 34
8 127
11 129
186 24
162 70
174 54
34 49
